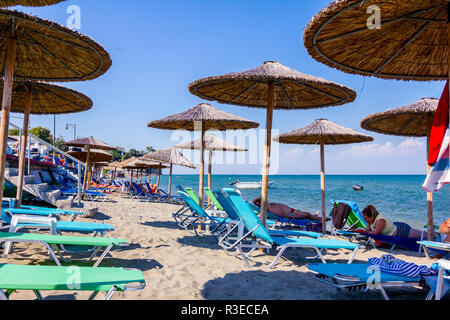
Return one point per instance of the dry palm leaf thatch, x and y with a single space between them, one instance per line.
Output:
95 156
206 117
141 163
323 131
124 163
46 98
48 51
413 120
28 3
90 142
292 89
169 156
411 42
212 143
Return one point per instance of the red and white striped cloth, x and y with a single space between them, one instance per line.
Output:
440 172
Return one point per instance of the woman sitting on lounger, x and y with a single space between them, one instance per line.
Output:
377 223
284 211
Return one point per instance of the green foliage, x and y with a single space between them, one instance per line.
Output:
14 132
120 155
43 134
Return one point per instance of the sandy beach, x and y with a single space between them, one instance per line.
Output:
178 265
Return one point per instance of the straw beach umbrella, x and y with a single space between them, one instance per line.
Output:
41 50
28 3
89 144
140 164
212 143
323 132
415 120
171 157
272 86
410 40
203 117
41 99
91 157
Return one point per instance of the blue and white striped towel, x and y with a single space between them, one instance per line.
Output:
440 172
389 264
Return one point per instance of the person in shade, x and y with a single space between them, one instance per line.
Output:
378 223
284 211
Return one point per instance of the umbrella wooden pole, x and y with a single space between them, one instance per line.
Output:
6 107
322 185
202 169
265 178
86 171
170 179
159 178
210 172
429 194
23 150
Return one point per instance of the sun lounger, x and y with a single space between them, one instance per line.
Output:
355 219
50 278
163 196
266 241
213 199
440 248
53 244
405 243
233 214
361 277
192 194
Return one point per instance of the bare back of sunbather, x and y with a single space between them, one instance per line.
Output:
284 211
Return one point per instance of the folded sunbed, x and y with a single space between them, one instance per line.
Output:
53 244
265 240
50 278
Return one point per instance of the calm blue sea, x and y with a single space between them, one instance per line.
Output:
400 197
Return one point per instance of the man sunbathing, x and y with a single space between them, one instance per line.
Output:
284 211
445 229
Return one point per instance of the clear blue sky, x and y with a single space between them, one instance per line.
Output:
159 47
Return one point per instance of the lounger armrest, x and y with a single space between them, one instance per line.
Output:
22 219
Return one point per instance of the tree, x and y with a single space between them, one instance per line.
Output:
149 150
43 134
14 132
60 143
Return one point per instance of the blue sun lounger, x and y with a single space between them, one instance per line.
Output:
262 235
440 248
361 277
234 216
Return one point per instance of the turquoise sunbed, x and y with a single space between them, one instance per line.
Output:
50 278
257 229
360 277
233 214
53 242
440 248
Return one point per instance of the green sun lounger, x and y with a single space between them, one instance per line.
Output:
53 243
49 278
213 199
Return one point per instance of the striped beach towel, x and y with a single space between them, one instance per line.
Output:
389 264
440 172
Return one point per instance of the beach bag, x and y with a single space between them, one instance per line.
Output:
391 265
340 215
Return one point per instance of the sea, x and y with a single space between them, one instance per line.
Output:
400 197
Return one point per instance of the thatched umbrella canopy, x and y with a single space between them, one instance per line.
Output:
41 99
414 120
41 50
272 86
139 164
203 117
89 144
28 3
212 143
323 132
171 157
95 156
403 40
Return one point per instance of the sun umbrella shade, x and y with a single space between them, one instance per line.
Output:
410 43
95 156
28 3
144 164
90 142
169 156
324 131
50 52
411 121
47 98
212 143
292 89
210 118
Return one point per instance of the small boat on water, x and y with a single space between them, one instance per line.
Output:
357 187
248 185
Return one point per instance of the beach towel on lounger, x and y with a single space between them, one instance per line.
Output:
390 264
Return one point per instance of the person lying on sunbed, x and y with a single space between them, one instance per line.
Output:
284 211
378 223
445 229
